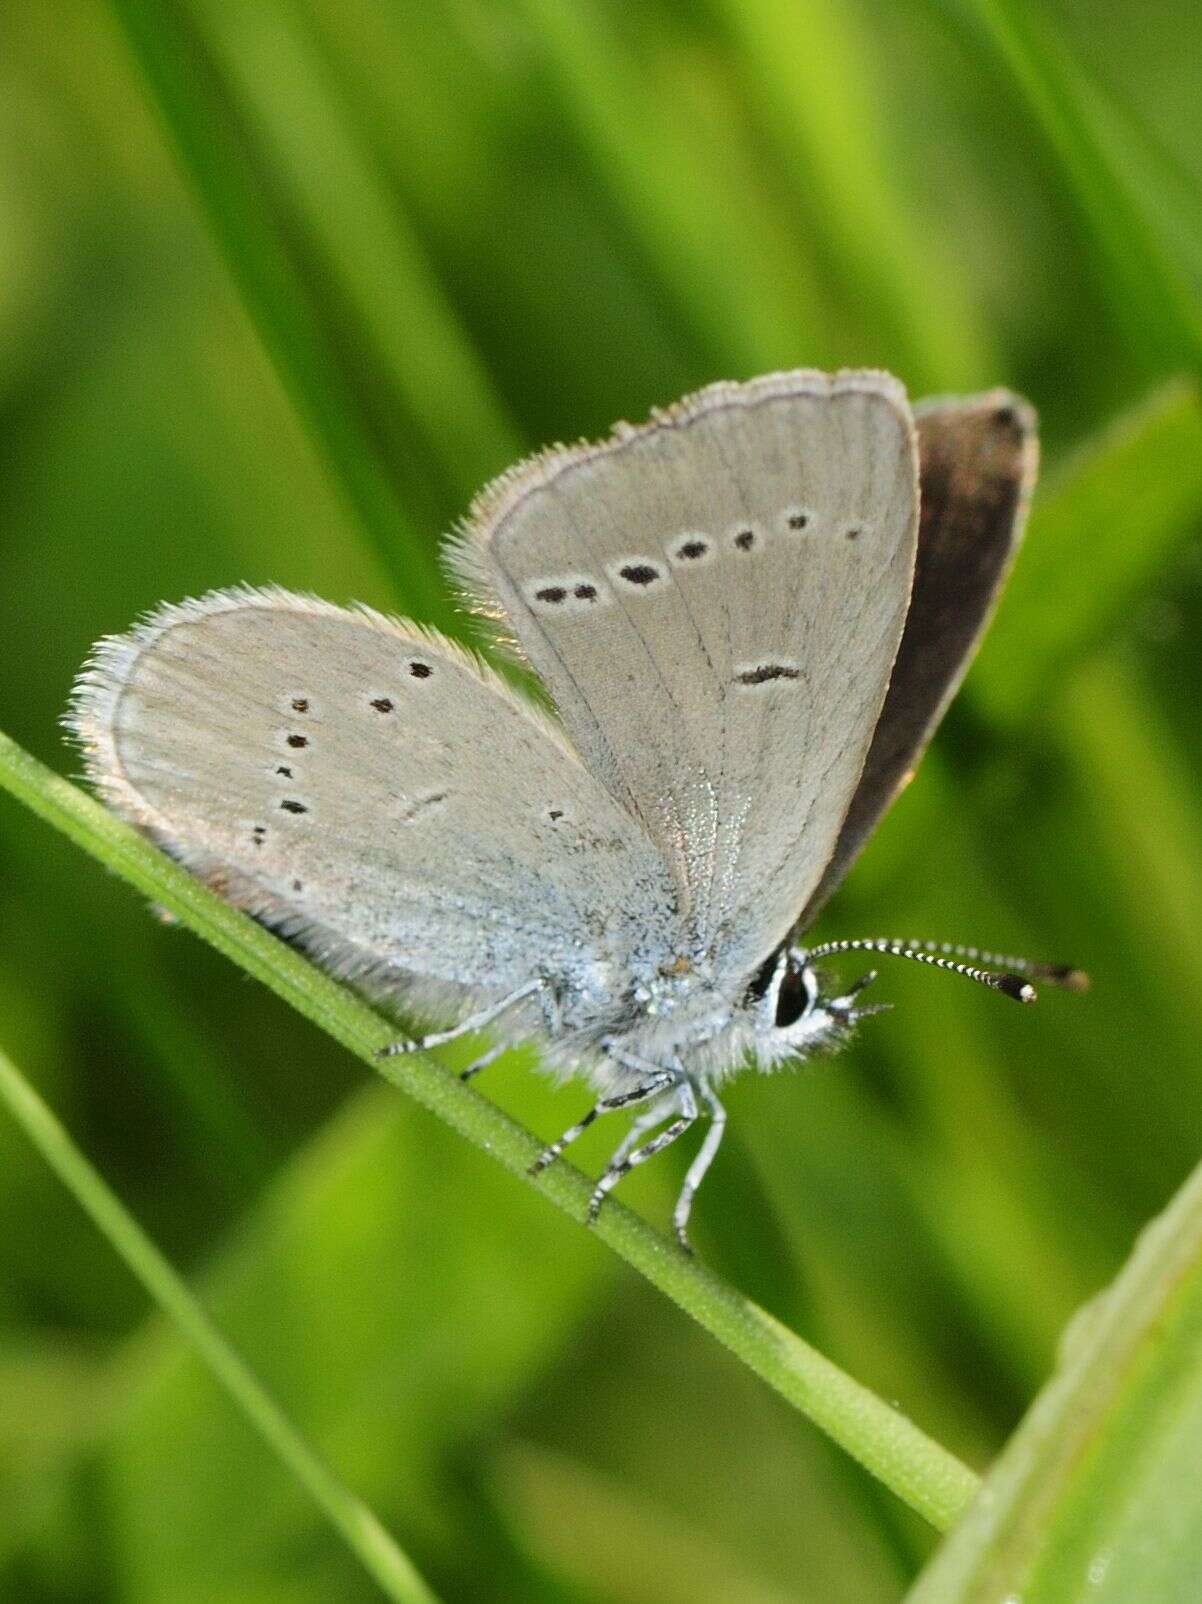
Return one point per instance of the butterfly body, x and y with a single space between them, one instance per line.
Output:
749 614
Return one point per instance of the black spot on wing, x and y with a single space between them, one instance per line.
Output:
640 574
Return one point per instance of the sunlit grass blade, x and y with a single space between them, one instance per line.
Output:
807 66
396 1378
322 355
1100 534
1168 193
1147 824
1097 1494
1150 298
920 1471
688 193
413 335
363 1533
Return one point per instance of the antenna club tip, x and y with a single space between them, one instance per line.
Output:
1015 986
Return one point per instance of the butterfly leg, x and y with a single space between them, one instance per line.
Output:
477 1064
476 1021
687 1103
607 1105
646 1121
699 1166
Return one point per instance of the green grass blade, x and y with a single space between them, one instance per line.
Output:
1168 193
363 1533
1150 297
1110 518
807 68
568 1512
344 202
1097 1494
1146 826
287 289
920 1471
690 194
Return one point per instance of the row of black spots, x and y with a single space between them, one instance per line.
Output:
743 539
798 519
301 703
554 594
645 573
567 593
385 704
295 742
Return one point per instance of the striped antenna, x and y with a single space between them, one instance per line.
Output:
1006 978
1065 975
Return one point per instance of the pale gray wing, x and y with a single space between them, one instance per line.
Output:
371 791
714 601
977 464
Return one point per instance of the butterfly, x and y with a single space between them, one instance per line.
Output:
748 613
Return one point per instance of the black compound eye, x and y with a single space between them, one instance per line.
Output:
792 1000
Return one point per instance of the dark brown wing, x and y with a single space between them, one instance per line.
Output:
977 464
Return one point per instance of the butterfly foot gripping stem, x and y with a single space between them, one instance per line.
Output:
683 1101
607 1105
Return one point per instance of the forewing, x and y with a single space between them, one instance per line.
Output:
366 788
714 601
977 465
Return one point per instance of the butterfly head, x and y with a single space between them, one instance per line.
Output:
792 1015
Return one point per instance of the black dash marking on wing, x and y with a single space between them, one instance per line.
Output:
764 672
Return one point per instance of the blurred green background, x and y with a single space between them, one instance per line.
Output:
281 283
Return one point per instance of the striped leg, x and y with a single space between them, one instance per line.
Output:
687 1103
697 1169
646 1121
607 1105
539 988
477 1064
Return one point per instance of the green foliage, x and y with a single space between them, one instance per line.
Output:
1092 1495
281 282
